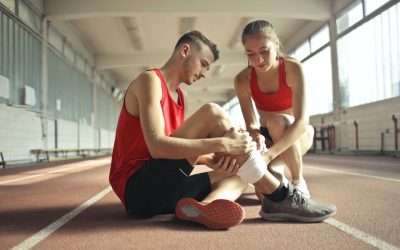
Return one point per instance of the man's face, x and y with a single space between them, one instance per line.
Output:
197 63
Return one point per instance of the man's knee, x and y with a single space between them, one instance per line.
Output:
213 110
216 116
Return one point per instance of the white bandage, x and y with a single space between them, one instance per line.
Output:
253 169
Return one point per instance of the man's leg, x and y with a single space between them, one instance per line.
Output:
217 125
218 209
281 202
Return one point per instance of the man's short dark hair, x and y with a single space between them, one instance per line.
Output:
196 37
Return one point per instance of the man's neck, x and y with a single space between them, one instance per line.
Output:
171 73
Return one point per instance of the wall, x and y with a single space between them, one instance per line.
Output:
372 119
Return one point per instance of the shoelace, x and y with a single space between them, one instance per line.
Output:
298 198
302 188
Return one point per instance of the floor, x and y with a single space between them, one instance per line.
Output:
71 206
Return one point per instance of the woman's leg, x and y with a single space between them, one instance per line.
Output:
293 156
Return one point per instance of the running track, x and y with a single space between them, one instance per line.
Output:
71 206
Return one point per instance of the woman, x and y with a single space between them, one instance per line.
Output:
276 85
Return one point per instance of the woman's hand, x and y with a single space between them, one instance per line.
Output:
259 139
238 142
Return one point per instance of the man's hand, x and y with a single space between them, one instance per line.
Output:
238 142
223 163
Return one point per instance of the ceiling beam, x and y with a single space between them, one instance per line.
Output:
133 31
147 59
77 9
237 33
186 24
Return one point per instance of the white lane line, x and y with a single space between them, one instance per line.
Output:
355 174
20 179
47 231
366 238
56 171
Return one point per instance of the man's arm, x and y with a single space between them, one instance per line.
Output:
148 93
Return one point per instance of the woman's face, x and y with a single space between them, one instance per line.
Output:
261 51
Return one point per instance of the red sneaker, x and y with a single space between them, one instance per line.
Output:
219 214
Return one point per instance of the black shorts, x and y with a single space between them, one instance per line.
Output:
268 139
160 183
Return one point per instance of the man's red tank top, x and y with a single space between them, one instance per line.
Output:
130 150
273 102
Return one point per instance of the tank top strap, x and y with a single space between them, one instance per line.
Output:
163 82
282 73
253 78
181 99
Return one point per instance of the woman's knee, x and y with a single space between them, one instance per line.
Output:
308 137
310 132
276 127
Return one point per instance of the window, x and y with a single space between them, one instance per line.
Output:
351 15
318 82
29 16
377 77
302 51
320 38
37 5
10 4
88 70
69 53
80 63
371 5
6 58
55 39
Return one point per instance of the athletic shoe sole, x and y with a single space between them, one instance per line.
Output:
219 214
290 217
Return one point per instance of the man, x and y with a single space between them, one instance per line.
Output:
150 170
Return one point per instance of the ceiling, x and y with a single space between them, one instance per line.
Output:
127 36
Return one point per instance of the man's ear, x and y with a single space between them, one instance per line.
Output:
185 50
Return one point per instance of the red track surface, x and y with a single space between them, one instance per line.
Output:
365 202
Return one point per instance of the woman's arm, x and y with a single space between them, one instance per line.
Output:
249 113
298 127
243 93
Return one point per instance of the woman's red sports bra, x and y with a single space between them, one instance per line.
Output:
277 101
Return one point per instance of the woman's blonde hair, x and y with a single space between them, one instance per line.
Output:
262 26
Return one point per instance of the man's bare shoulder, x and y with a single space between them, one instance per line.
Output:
143 89
143 81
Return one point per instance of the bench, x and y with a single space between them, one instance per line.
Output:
44 154
2 161
326 136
